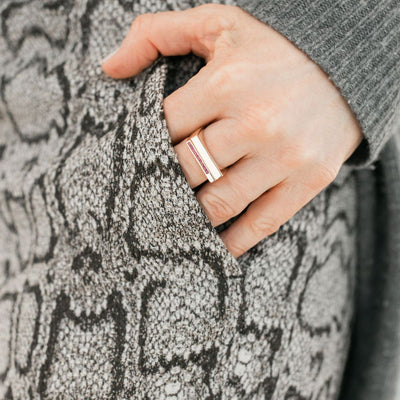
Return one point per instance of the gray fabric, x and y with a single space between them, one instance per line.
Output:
373 370
113 283
357 43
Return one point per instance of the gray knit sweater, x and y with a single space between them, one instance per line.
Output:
113 282
358 44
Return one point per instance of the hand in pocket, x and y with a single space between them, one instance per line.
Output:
273 121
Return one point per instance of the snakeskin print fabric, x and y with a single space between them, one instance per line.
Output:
113 282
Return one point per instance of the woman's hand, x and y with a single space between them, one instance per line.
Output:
278 128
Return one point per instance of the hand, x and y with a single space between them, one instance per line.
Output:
278 127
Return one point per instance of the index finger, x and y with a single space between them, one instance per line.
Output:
169 33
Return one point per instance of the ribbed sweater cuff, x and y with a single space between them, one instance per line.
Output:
357 43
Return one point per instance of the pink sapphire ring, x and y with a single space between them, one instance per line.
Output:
203 157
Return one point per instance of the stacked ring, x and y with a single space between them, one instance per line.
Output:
203 157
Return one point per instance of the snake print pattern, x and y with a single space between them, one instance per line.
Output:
113 282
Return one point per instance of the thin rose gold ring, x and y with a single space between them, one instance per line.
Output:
202 156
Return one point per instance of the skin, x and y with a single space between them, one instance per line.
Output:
276 125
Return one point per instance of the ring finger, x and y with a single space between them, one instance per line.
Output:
246 174
224 143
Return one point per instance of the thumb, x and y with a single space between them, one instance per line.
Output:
169 33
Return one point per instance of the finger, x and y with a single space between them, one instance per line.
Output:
169 33
225 144
194 104
241 184
267 213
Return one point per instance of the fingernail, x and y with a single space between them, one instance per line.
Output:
109 56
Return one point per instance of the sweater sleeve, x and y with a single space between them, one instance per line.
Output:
357 43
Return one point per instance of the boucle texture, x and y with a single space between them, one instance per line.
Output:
357 43
114 284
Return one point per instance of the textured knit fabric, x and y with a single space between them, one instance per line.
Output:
357 43
114 284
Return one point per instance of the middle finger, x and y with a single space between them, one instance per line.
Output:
203 98
242 183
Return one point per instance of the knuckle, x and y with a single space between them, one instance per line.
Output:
218 19
236 10
217 28
221 79
243 135
262 118
325 173
216 207
264 226
256 117
295 154
320 175
272 127
139 22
